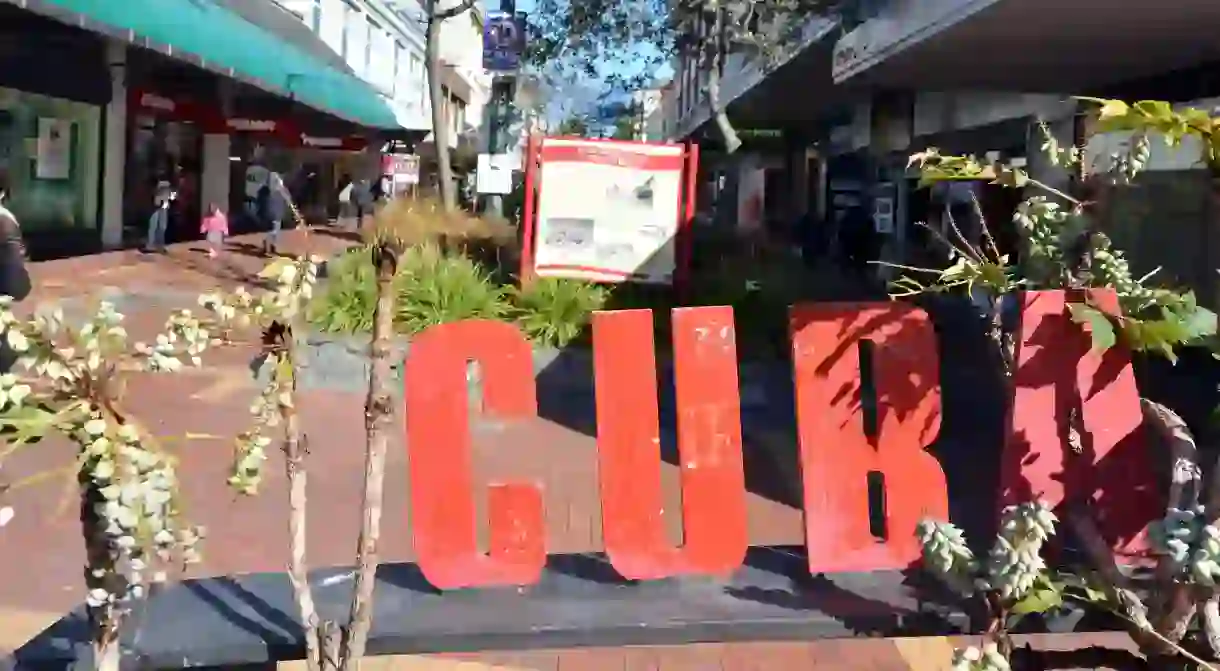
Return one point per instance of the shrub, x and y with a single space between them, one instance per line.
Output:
554 312
417 221
438 287
346 303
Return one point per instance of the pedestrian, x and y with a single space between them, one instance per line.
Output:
14 276
276 208
860 241
158 223
214 227
362 197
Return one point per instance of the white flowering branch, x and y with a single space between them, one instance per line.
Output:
130 512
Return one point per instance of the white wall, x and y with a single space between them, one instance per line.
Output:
940 112
898 24
740 75
383 44
1186 156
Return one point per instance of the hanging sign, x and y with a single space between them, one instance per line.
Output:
503 42
53 159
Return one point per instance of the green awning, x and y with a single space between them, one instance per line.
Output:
224 41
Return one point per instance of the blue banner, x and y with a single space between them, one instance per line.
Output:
503 42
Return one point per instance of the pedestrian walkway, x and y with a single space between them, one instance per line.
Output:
183 266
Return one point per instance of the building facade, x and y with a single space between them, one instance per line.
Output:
988 77
194 94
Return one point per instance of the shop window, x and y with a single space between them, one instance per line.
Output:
50 149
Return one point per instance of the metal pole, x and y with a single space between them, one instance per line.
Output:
502 88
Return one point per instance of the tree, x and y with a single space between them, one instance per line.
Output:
574 126
330 645
1064 247
703 33
435 17
624 128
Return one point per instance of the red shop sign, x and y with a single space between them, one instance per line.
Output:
342 143
164 106
1056 368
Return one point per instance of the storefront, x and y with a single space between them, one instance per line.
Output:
314 168
164 143
50 150
51 130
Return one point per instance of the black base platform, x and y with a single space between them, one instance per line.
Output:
580 601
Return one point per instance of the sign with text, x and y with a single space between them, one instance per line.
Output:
608 211
841 457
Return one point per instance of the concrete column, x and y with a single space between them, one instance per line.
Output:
114 151
798 160
214 172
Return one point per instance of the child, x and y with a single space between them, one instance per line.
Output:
215 226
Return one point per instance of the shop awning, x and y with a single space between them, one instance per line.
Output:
204 32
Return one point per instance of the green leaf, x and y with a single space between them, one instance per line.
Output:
1199 322
1156 110
1097 323
1038 600
1113 109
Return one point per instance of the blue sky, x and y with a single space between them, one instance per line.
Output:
574 91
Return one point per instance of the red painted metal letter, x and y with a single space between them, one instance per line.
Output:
439 460
838 459
709 444
1076 423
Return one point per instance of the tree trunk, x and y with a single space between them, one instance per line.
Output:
298 478
378 413
732 142
721 116
440 129
107 656
104 620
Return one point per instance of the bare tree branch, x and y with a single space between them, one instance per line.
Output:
444 14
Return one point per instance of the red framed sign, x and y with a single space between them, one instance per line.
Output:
608 210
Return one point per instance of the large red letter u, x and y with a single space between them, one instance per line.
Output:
709 444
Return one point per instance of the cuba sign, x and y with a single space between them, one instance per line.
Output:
1060 386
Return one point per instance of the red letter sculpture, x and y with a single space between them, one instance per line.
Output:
837 456
1076 423
439 464
709 444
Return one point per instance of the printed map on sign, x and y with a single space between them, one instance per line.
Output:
608 211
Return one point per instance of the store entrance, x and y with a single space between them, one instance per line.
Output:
161 150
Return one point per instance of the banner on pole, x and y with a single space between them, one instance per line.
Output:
503 42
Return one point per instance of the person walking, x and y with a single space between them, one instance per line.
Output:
215 228
14 276
362 198
859 238
276 209
158 223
